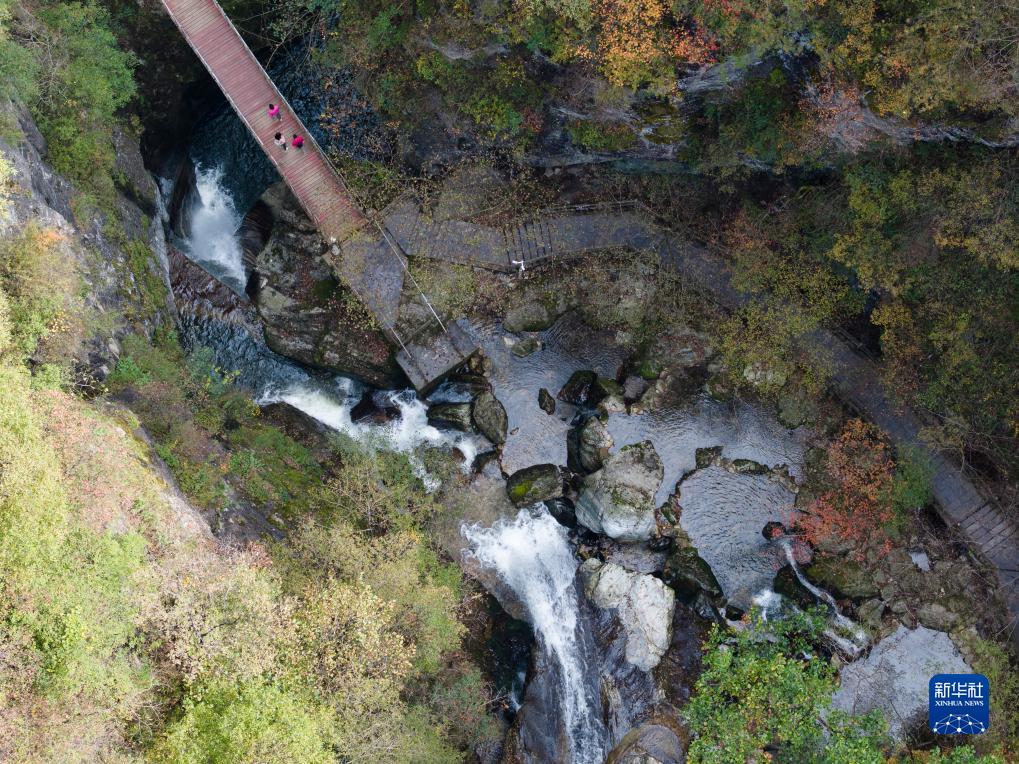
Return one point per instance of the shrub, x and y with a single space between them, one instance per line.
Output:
911 485
495 113
857 507
761 696
68 602
38 274
232 723
595 136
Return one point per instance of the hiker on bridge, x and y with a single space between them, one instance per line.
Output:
274 112
281 141
297 141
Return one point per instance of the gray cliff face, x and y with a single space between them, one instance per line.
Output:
307 313
120 252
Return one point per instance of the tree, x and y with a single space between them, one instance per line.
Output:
858 504
764 694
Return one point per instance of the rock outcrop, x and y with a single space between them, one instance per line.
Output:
119 252
642 603
593 444
894 677
308 314
619 499
489 416
542 482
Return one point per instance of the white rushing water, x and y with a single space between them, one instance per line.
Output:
847 636
406 433
213 242
532 555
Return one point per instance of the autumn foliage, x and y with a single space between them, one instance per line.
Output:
857 506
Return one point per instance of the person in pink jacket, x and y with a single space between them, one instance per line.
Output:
274 112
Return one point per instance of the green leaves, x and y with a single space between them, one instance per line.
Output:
764 692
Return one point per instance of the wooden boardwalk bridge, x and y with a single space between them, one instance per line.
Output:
361 250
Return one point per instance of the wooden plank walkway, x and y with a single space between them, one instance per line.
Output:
361 252
244 82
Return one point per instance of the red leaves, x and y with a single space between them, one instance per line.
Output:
857 506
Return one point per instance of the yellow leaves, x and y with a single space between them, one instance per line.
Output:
629 41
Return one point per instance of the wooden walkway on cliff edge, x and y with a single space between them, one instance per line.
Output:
321 191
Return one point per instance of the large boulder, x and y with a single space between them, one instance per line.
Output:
619 499
489 417
593 444
661 740
308 314
893 678
455 415
688 574
643 604
541 482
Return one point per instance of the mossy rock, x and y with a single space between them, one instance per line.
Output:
789 586
843 578
720 387
455 415
531 316
795 409
546 402
749 467
705 457
489 416
525 347
577 389
541 482
604 387
688 574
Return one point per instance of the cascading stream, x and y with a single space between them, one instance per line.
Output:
532 555
844 633
213 244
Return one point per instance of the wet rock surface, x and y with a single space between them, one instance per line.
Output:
542 482
546 402
661 740
455 415
308 314
579 389
489 416
619 499
593 444
844 578
689 575
643 604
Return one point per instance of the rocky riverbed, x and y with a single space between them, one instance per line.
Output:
616 497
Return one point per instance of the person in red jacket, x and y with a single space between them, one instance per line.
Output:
297 141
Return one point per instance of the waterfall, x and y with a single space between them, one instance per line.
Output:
532 555
844 634
212 241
